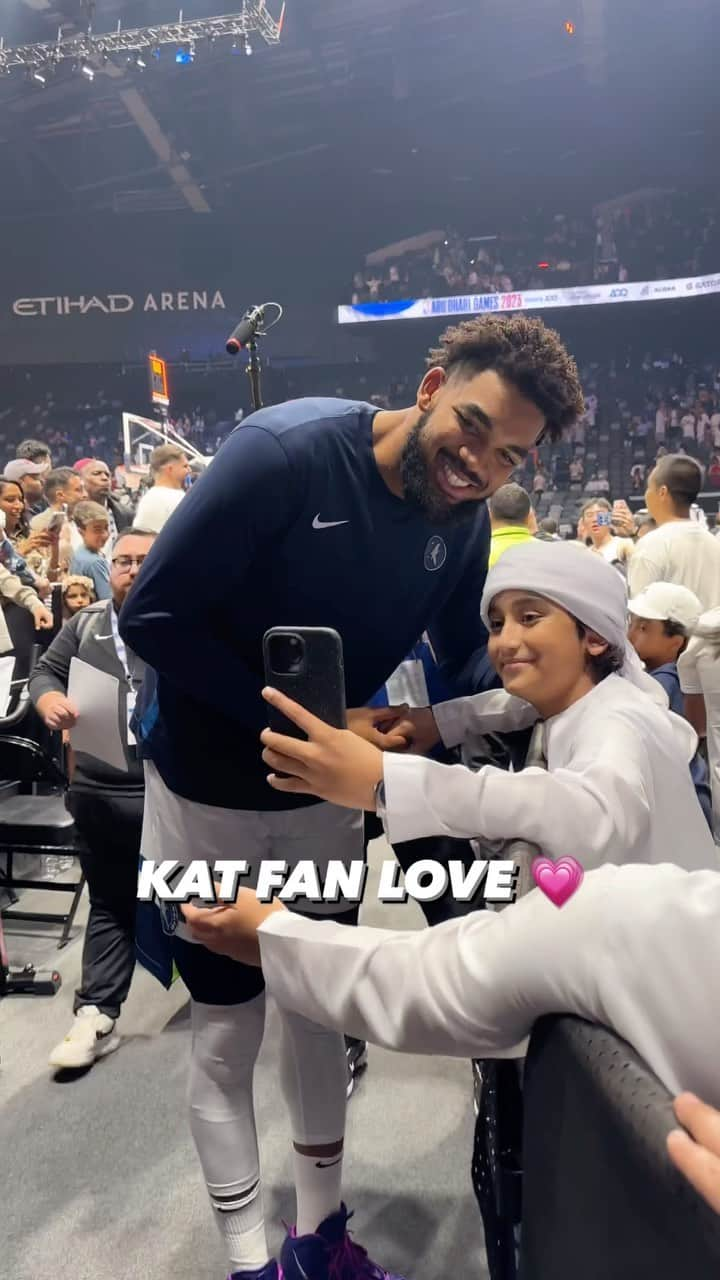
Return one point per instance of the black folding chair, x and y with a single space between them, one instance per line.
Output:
33 816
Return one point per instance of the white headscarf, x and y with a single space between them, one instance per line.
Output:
585 585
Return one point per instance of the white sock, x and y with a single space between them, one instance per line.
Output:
226 1042
314 1078
239 1214
318 1180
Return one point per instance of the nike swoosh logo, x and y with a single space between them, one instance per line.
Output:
327 1164
327 524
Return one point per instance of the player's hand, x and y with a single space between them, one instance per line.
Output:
334 764
382 726
420 729
42 618
698 1160
231 928
57 710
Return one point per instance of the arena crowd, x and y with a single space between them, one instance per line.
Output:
666 236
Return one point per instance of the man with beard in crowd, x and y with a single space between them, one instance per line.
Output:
321 513
96 478
107 805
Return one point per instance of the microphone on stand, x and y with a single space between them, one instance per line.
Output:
245 331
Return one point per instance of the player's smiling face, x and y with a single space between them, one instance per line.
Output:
472 433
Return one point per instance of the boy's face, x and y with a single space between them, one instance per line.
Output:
651 643
538 653
77 598
95 534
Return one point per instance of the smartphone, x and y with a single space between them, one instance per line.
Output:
56 521
306 664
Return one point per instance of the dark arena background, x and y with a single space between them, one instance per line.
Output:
366 173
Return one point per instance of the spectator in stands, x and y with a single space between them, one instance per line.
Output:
77 593
89 561
699 671
714 471
547 530
663 617
539 483
31 476
16 563
97 480
637 476
107 805
576 471
644 523
597 517
197 468
35 451
170 469
687 427
510 511
680 550
64 489
12 503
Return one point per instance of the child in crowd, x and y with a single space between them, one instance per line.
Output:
77 592
92 520
663 617
617 786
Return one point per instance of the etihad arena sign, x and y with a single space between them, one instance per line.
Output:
530 300
110 304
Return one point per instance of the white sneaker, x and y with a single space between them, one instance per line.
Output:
91 1036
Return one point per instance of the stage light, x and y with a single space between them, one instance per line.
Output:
136 60
39 77
570 28
87 71
248 47
543 265
185 54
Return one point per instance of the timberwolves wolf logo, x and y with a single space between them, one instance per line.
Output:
169 917
435 554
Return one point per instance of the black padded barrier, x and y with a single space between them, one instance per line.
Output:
601 1199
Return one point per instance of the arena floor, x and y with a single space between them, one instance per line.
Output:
99 1175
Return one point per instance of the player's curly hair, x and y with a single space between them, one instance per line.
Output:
523 350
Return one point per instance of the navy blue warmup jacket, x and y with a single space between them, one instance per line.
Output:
292 525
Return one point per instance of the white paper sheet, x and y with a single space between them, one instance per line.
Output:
7 666
96 696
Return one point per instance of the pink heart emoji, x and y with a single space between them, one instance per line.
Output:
557 880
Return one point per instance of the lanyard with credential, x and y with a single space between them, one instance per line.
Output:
120 648
121 651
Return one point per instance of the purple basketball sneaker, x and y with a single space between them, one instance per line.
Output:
268 1272
329 1254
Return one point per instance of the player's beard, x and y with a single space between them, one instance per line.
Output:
419 488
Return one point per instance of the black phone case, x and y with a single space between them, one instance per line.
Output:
319 686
